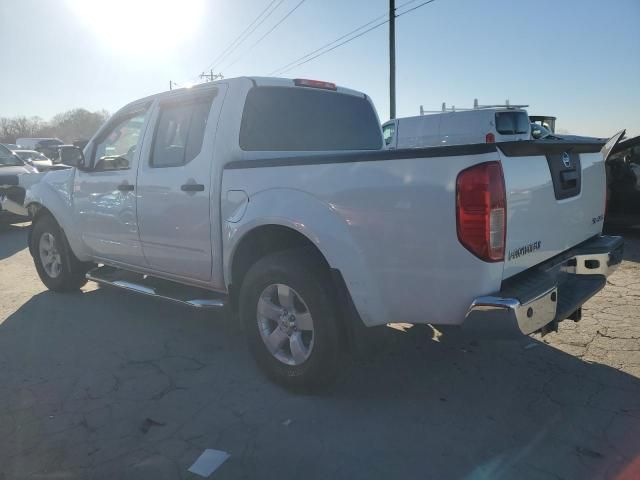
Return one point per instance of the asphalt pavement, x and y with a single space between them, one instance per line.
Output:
107 384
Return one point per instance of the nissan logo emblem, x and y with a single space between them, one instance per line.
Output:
566 159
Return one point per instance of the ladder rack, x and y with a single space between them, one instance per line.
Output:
476 106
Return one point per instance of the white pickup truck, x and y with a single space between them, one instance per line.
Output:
276 197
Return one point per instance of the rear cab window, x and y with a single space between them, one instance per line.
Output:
512 123
307 119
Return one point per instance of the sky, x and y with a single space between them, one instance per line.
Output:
578 60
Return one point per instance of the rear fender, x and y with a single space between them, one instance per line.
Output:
327 230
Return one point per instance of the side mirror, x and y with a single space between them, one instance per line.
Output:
72 156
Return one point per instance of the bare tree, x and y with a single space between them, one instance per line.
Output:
76 124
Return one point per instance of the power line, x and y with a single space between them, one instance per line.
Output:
414 8
245 33
239 38
384 15
334 47
297 63
330 43
322 50
267 33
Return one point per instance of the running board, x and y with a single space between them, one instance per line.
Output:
156 287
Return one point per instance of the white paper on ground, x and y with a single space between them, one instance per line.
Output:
208 462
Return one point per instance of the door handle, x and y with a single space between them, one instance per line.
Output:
125 187
192 187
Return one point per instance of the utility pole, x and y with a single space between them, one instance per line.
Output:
170 85
392 59
211 76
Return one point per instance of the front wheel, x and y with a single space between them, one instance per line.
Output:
289 316
56 265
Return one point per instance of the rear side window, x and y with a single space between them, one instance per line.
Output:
511 123
180 132
305 119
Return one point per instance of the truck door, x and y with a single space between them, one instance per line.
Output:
104 194
174 185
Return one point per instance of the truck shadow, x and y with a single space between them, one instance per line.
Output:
104 363
13 237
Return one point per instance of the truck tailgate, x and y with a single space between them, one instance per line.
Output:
555 199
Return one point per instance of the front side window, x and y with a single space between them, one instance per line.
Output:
117 148
307 119
180 132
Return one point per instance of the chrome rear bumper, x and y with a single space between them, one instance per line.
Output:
551 291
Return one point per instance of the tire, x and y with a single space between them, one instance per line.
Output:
303 361
68 274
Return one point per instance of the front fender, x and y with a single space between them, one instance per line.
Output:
55 193
323 226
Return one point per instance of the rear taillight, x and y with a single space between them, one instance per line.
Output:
481 211
489 138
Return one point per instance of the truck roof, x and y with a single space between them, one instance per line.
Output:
261 81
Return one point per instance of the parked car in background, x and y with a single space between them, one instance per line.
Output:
46 146
546 121
623 184
80 144
541 124
480 125
35 159
277 197
11 166
539 132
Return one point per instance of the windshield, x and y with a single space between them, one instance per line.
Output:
8 159
30 156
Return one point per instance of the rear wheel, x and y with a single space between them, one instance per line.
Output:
289 316
57 267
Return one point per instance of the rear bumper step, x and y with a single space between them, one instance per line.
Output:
551 291
158 288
